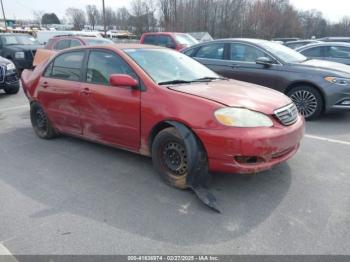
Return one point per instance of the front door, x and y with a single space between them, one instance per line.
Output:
109 114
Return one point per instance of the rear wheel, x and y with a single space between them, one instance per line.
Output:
308 100
40 122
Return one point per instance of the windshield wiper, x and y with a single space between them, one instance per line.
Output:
174 82
209 78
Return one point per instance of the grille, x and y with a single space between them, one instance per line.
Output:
2 74
11 78
287 115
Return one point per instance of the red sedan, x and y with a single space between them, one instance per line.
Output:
160 103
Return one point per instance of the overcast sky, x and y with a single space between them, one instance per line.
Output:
333 10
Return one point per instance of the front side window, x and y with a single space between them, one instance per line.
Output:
102 64
211 51
150 40
66 66
164 65
164 40
74 43
313 52
245 53
339 52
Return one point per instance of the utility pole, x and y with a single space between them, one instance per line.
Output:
104 18
3 13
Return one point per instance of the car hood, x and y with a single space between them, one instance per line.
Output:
328 66
237 94
23 47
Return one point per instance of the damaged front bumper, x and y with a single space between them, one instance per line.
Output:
250 150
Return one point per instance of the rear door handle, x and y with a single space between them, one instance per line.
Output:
234 66
85 91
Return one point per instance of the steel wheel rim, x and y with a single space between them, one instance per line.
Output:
174 158
305 101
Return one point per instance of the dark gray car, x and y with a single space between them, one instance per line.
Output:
300 43
335 52
315 86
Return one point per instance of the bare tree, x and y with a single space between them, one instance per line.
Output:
93 15
77 17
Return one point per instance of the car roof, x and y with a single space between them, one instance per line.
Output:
119 46
302 41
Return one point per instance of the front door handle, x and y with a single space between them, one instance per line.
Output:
85 91
45 84
234 66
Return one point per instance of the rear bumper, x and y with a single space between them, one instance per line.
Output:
250 150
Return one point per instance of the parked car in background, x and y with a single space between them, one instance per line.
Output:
9 81
300 43
44 36
335 39
285 39
67 41
58 43
175 41
335 52
19 48
181 113
315 86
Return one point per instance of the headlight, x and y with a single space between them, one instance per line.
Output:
10 66
241 117
337 80
19 55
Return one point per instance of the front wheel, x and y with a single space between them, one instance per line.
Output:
41 123
308 100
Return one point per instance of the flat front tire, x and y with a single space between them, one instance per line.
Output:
41 123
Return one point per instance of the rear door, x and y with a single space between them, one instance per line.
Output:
108 113
59 91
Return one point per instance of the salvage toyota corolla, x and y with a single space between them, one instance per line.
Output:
161 103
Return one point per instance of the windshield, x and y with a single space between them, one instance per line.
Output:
164 65
19 40
185 39
284 53
98 41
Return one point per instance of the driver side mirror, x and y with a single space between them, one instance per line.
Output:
120 80
265 61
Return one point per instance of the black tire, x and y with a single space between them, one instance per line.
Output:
171 158
308 100
41 123
12 91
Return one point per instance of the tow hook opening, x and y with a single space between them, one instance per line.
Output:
249 159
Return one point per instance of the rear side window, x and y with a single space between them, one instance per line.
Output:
313 52
66 66
102 64
62 44
211 51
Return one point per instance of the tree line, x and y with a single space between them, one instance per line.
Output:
221 18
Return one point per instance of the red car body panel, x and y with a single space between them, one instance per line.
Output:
126 117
